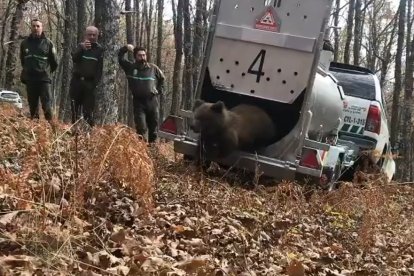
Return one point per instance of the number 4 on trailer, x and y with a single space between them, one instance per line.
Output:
259 73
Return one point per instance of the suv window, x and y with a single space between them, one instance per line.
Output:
356 84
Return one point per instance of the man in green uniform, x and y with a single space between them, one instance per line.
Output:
87 72
37 54
145 81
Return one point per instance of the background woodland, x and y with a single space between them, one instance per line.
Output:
376 34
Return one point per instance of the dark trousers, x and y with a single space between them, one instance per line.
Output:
146 117
82 94
39 90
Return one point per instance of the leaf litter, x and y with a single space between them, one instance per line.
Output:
104 203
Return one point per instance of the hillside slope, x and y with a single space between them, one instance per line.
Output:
105 204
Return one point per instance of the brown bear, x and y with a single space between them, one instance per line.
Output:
222 131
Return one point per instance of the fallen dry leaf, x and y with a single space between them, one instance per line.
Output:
295 268
194 264
119 270
8 218
80 222
185 231
119 237
18 261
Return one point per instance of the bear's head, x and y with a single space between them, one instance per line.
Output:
209 117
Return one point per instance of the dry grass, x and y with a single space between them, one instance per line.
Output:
116 154
52 175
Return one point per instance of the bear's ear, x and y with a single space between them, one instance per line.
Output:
197 103
218 107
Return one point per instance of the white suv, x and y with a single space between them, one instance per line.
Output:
11 97
365 118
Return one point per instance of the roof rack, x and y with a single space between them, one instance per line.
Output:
337 66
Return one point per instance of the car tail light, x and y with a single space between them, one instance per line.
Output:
169 125
309 159
373 123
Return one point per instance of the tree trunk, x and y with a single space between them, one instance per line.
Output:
128 20
198 39
409 30
82 19
138 32
349 28
187 100
107 97
178 39
336 31
138 39
11 60
3 50
373 44
407 174
99 10
408 101
148 26
69 39
357 32
143 18
397 74
51 33
127 108
160 12
205 21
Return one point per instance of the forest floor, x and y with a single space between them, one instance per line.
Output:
104 203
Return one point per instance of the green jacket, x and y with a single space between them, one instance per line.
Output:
37 55
144 80
88 63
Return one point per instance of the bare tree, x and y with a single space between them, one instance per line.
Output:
125 98
201 6
178 38
397 74
160 12
336 32
107 19
357 31
188 64
69 39
142 39
148 28
407 173
3 50
82 17
13 45
349 30
138 25
386 55
380 23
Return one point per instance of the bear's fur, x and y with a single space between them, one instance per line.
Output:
222 131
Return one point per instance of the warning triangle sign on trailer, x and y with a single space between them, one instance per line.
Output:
268 21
